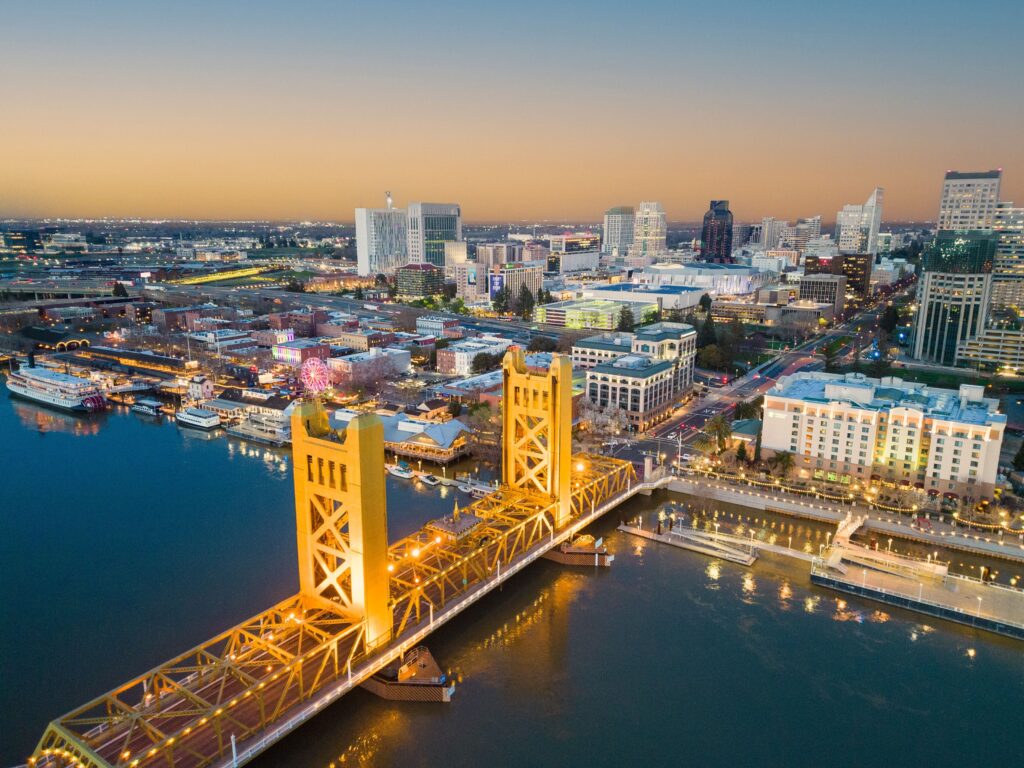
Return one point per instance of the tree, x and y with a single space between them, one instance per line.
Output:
783 463
526 302
485 361
500 301
294 286
120 290
626 322
542 344
485 429
757 448
707 335
748 409
705 303
890 319
381 281
712 357
448 291
705 443
720 429
879 366
358 294
598 424
455 408
741 453
831 354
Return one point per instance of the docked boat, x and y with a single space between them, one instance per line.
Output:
464 488
197 418
147 406
431 480
401 469
60 390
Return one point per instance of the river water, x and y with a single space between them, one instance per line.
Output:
125 541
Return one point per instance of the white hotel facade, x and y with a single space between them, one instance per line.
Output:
849 429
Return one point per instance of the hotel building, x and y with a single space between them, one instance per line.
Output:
849 429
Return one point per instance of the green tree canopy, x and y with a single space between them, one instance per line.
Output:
626 322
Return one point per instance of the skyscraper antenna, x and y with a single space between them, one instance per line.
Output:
388 196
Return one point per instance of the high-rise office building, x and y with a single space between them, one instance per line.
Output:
489 254
954 293
716 234
969 199
772 230
805 230
857 225
649 233
1008 268
381 239
431 225
856 267
455 252
618 231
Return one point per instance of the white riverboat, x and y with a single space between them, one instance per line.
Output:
197 418
60 390
147 406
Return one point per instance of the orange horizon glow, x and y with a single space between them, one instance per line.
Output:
265 111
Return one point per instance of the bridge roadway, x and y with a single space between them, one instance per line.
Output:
225 702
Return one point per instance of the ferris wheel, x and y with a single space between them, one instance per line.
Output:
314 376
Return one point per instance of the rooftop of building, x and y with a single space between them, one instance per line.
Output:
422 266
595 305
400 428
699 265
301 344
619 341
664 330
479 343
967 405
633 365
960 175
644 288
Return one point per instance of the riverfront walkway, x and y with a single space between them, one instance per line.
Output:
941 534
988 606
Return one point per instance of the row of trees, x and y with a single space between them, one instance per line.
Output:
505 302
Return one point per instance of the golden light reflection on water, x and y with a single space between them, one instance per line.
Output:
43 420
368 746
713 571
749 587
785 595
811 603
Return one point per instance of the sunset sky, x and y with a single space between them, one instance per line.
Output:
526 110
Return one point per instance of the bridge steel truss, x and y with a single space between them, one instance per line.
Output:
242 682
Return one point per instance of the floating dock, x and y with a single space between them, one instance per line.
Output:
992 607
584 550
705 545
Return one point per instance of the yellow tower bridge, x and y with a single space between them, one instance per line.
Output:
362 602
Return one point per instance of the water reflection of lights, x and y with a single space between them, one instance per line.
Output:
713 571
842 614
811 603
971 653
785 594
366 748
511 631
749 585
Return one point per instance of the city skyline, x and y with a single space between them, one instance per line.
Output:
309 112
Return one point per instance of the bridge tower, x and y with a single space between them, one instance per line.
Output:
536 450
341 516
